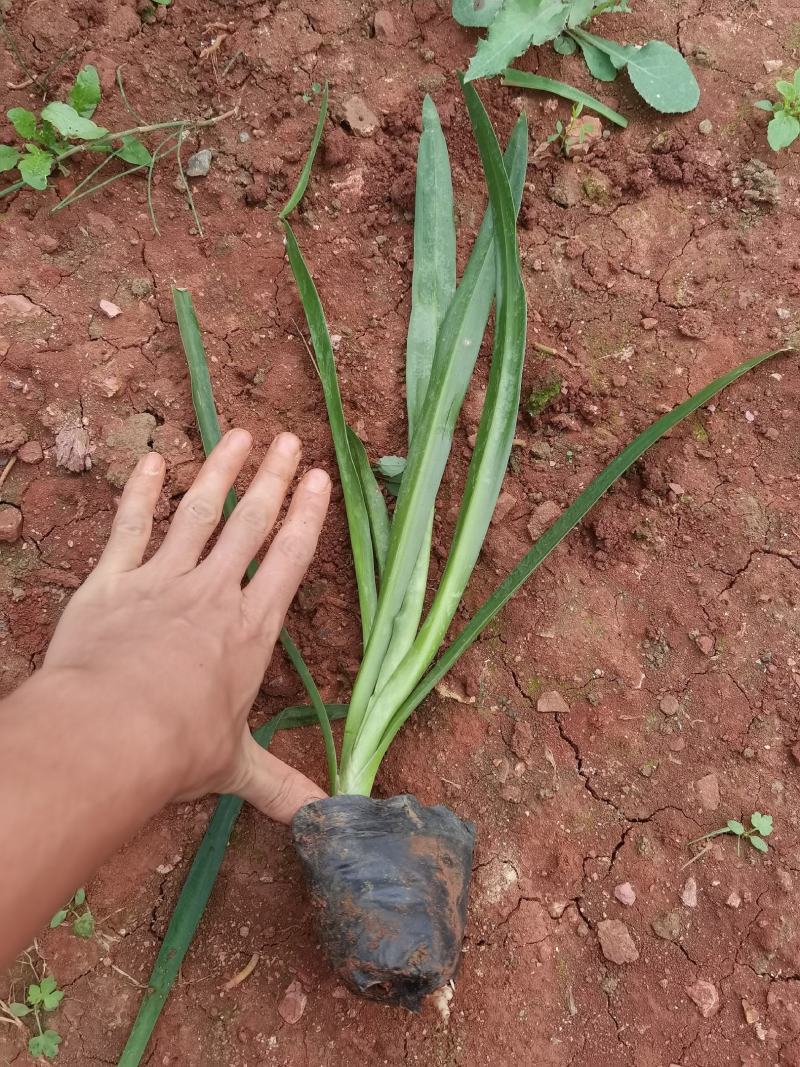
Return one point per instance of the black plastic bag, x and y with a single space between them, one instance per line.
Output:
389 882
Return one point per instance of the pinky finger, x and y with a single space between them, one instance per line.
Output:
133 523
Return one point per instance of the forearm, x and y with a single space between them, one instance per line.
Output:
79 774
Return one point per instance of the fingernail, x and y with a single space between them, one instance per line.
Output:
239 439
287 444
152 463
317 481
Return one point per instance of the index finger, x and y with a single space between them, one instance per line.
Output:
276 581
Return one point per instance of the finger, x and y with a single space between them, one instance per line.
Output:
201 508
133 523
273 787
246 529
270 592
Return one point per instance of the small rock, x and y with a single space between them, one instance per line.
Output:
552 703
542 517
706 127
10 523
522 739
625 894
47 242
109 309
649 324
581 133
12 436
706 644
707 789
676 488
616 942
294 1002
385 29
771 433
771 65
198 164
503 508
669 705
734 900
668 925
689 893
72 448
31 452
141 287
704 995
17 306
359 117
557 908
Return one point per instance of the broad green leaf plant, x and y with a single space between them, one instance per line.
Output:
63 129
41 997
784 126
657 71
760 829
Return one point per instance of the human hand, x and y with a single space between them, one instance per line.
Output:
179 644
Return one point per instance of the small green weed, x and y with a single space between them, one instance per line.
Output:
41 997
62 129
79 911
784 127
658 72
572 132
760 827
542 396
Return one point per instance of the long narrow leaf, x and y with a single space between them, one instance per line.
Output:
457 347
208 424
357 515
196 891
433 282
520 79
302 182
373 499
555 535
490 457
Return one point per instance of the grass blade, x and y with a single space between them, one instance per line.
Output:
208 424
377 511
520 79
305 173
355 506
556 534
196 891
490 457
433 282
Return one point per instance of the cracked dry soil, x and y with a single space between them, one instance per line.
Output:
668 623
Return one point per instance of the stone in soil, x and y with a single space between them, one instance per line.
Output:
12 436
30 452
359 117
199 164
616 942
705 996
689 893
10 523
669 705
72 448
110 309
625 894
707 789
552 703
668 926
385 29
293 1004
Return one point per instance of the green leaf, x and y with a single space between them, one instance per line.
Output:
79 898
599 63
35 166
197 888
476 12
797 81
45 1044
761 823
373 499
84 96
391 466
520 24
84 925
8 157
735 827
663 78
51 1000
619 54
782 131
58 918
764 105
23 121
565 46
580 12
759 843
305 173
522 80
48 984
35 995
786 89
133 151
19 1011
70 124
163 3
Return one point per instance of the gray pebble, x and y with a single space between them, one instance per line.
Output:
199 164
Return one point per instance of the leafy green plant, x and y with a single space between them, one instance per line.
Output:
567 134
41 997
784 127
657 71
760 828
64 129
79 912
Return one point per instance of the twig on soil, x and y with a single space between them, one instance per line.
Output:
7 470
13 47
546 350
124 96
697 856
244 974
231 61
187 188
119 970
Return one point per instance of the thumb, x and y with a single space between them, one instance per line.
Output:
274 787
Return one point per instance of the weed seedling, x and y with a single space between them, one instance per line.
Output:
658 72
760 827
79 912
784 127
41 997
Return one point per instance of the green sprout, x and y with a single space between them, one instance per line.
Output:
784 127
41 997
79 911
760 827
